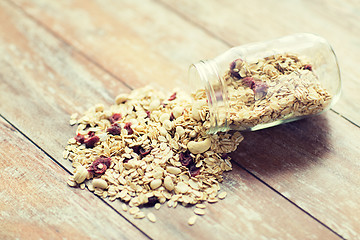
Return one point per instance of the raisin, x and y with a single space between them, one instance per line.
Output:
260 90
233 66
172 97
91 141
308 67
115 117
115 129
185 158
80 138
128 128
141 151
194 171
151 201
100 165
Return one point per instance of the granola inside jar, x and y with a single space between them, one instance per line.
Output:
265 84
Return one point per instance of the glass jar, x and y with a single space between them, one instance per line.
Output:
268 83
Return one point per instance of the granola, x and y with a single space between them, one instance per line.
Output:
149 149
276 88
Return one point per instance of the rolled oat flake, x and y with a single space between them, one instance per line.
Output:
264 84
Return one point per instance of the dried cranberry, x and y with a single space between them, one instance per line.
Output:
148 114
249 81
80 138
172 117
151 201
185 158
144 152
100 165
91 141
128 128
91 133
172 97
115 129
194 171
308 67
115 117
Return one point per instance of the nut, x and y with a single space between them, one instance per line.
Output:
155 183
199 147
168 183
99 183
81 174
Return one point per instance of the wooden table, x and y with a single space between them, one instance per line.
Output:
295 181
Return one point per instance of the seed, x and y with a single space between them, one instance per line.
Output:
71 183
99 108
99 183
182 187
200 205
168 183
222 195
192 220
155 183
124 207
199 211
151 217
173 170
180 130
134 210
157 206
121 98
139 215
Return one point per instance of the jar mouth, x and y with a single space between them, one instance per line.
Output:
205 75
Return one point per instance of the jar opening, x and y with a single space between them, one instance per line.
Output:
205 75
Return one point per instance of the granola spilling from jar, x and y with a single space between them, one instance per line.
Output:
149 149
274 88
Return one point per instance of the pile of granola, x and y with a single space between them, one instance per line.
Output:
149 148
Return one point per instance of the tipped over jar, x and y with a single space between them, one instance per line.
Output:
264 84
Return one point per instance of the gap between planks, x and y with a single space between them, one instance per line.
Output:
62 167
117 78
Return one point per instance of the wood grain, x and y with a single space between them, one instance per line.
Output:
144 44
36 202
215 19
317 167
241 22
252 210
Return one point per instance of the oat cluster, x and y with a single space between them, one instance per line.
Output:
150 148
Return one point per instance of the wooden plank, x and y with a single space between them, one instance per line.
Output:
251 211
36 203
146 45
317 167
240 22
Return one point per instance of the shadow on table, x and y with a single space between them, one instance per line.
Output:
288 148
